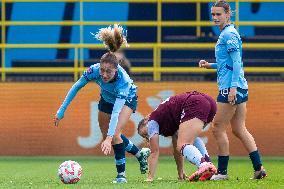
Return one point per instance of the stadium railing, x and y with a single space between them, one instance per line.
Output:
157 47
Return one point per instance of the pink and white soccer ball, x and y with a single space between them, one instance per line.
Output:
70 172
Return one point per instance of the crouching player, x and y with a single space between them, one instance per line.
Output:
186 113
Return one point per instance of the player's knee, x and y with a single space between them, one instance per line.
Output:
216 129
180 146
238 132
176 150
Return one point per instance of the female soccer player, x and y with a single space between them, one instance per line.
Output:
233 93
186 113
118 101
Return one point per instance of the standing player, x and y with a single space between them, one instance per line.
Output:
186 113
233 93
118 101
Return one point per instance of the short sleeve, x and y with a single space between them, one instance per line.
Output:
153 128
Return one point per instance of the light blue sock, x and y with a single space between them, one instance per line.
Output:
199 144
192 154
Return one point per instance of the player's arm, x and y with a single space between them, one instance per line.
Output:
117 107
69 97
178 158
233 48
88 75
106 145
237 66
232 45
207 65
154 156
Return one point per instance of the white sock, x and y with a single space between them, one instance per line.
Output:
199 144
192 154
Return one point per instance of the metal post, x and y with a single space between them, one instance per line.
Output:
237 15
198 18
81 35
3 41
75 64
157 62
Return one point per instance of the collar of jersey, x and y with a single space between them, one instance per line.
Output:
226 26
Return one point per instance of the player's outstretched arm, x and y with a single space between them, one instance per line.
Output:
69 97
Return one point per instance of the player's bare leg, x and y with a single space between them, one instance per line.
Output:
188 131
221 121
141 154
240 131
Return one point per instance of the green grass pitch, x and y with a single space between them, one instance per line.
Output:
98 172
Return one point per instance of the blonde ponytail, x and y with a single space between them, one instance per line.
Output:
112 37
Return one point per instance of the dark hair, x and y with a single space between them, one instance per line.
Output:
109 57
223 4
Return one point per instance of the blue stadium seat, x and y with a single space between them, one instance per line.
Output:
34 34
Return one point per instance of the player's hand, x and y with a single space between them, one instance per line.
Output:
56 121
204 64
232 97
106 145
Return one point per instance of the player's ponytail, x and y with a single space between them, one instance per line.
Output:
112 37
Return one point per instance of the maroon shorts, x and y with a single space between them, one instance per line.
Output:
199 106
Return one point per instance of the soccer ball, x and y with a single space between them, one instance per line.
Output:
69 172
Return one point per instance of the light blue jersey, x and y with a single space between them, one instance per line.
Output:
122 87
228 54
115 92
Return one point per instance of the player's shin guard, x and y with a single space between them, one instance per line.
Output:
130 147
141 155
223 164
256 161
119 153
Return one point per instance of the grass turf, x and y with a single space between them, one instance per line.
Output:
98 172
